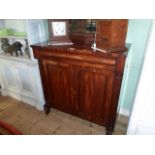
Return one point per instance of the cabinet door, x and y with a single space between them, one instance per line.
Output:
94 94
58 77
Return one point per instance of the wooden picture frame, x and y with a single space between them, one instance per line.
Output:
59 32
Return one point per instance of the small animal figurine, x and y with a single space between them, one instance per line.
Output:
15 47
6 47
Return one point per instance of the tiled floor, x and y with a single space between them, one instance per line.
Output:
30 121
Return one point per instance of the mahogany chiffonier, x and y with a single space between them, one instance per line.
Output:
80 81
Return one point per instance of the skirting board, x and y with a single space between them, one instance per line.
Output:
124 112
24 98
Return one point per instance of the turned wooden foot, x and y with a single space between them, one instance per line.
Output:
109 129
47 109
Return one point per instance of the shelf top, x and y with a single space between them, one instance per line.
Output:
21 59
14 37
76 49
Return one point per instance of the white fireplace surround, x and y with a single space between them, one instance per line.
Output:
20 79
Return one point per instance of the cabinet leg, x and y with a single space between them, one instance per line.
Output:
109 129
47 109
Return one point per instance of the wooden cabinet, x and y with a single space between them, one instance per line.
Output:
81 82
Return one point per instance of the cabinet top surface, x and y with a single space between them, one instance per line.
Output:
74 49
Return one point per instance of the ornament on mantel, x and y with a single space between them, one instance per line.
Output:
8 48
27 51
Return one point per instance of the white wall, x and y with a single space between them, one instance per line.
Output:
142 119
16 24
137 35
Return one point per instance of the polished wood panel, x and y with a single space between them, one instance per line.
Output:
82 31
81 82
111 34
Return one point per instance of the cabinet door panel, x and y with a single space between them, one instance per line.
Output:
95 95
59 85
